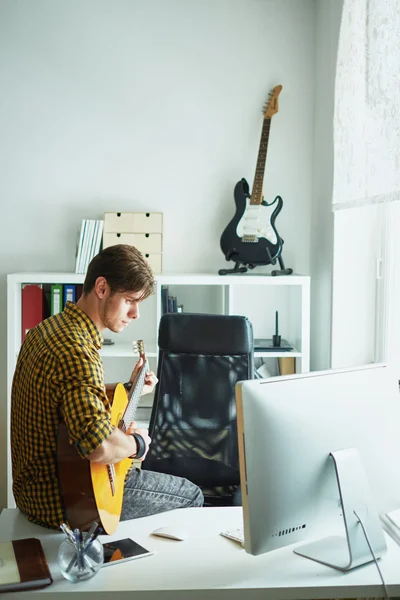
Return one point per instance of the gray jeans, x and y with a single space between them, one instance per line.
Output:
147 493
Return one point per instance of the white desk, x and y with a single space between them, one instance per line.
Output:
205 565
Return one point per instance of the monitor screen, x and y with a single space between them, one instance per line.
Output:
287 428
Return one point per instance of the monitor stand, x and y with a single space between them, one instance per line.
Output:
352 550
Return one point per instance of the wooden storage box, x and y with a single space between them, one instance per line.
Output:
155 261
147 222
119 222
131 222
150 243
142 230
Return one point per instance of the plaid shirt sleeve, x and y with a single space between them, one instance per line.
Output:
83 402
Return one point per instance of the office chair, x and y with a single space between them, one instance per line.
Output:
193 421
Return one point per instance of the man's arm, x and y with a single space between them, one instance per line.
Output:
84 408
119 445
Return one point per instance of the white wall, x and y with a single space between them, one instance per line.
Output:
328 17
156 106
357 247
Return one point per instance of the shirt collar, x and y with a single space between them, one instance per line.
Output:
74 312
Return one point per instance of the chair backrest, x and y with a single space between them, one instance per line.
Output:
193 421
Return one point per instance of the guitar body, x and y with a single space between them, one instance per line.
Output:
109 501
251 236
85 486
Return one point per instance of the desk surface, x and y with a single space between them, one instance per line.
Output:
205 565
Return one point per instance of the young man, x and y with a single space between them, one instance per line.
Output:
59 377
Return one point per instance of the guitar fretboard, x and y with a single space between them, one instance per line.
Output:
256 192
130 411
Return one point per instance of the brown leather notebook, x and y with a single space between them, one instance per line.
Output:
23 565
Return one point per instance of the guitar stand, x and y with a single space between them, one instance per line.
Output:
283 270
246 266
236 269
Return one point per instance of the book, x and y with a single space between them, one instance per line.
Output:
80 247
89 245
23 565
164 299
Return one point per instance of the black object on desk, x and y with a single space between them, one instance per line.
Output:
274 343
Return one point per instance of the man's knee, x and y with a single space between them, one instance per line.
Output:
198 498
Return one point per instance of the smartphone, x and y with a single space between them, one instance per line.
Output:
123 550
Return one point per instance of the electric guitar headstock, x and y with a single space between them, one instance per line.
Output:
271 106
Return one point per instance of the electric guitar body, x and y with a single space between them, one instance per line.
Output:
251 236
94 491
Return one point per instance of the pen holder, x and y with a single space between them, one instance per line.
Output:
81 559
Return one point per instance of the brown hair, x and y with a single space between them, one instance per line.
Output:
124 268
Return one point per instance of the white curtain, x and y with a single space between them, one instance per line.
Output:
367 105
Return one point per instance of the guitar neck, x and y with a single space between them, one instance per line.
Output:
257 189
134 396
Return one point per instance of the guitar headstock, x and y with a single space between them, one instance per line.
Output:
138 347
271 106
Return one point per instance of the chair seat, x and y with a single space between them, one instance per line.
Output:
201 471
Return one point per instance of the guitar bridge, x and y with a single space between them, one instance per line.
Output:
250 239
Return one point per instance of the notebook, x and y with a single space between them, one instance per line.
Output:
267 345
23 565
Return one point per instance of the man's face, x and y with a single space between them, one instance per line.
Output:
119 309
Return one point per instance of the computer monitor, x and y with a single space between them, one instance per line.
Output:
287 429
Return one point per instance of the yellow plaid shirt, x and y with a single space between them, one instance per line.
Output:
59 373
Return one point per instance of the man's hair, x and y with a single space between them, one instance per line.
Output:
124 268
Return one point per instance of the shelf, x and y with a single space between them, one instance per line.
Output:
124 350
265 354
173 279
244 279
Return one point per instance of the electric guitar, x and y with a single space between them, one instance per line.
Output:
251 236
92 491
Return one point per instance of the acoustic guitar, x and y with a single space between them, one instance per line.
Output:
251 236
92 491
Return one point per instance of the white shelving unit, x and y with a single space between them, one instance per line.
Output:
252 295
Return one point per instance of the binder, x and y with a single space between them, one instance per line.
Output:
56 298
32 306
69 293
23 565
164 299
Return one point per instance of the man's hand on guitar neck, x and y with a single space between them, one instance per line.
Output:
150 383
150 379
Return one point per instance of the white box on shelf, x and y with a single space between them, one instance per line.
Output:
150 243
118 222
147 222
110 239
155 262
